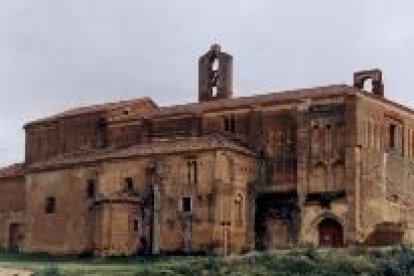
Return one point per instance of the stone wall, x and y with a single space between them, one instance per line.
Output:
385 173
12 210
66 227
122 219
86 129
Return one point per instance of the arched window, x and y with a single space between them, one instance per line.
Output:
367 85
214 75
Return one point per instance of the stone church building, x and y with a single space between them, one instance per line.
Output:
330 166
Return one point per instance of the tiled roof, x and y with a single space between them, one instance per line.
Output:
13 170
283 96
96 109
291 95
384 100
237 102
168 146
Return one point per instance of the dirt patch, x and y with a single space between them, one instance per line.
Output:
14 272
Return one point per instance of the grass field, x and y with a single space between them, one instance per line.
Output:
306 261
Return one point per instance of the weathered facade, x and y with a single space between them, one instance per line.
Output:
331 166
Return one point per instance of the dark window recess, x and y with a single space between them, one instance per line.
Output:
91 188
226 124
186 204
262 154
230 123
101 133
392 136
189 172
239 207
129 184
50 206
192 172
195 171
136 225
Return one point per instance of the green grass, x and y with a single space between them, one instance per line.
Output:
390 261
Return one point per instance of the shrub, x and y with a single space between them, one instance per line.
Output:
51 270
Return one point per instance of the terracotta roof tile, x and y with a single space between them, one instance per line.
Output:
168 146
13 170
291 95
236 102
95 109
384 100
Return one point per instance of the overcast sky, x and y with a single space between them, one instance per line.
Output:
56 55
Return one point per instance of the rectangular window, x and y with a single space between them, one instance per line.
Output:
210 200
233 123
129 184
192 172
186 204
90 189
136 225
101 133
195 172
226 124
230 123
392 136
50 205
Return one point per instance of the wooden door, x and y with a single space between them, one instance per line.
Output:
330 233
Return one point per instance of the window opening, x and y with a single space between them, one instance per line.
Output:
90 189
392 134
186 204
50 206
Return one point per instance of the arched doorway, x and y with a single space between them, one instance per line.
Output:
331 233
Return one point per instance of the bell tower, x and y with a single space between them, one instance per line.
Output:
215 75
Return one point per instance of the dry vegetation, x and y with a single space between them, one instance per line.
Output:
307 261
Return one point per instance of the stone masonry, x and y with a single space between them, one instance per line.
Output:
329 166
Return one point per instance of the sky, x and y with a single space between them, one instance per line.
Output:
56 55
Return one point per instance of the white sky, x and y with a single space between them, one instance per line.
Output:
56 55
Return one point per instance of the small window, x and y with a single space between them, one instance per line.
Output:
262 154
186 204
136 225
393 136
230 123
129 184
90 189
50 206
239 209
226 124
192 172
233 123
101 133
